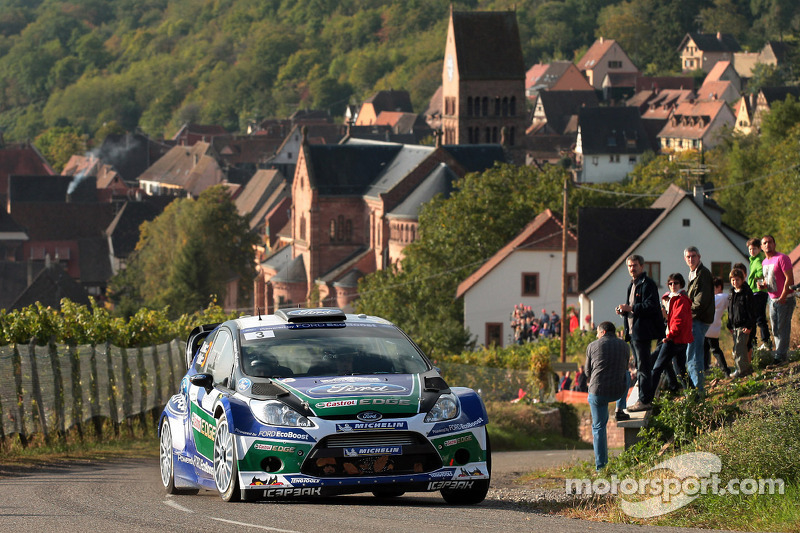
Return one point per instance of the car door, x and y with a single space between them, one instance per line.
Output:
217 362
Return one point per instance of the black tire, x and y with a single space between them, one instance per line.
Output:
226 470
388 493
480 488
166 462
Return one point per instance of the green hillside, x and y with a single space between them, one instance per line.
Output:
156 64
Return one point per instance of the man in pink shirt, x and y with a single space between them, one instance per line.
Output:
778 278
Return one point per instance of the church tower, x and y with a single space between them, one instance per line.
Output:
483 80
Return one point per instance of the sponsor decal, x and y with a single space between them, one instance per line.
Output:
284 434
437 485
313 311
299 480
273 481
273 447
458 440
177 404
272 493
383 401
203 466
369 426
357 388
244 384
450 428
463 472
369 416
206 429
443 473
337 403
184 459
373 450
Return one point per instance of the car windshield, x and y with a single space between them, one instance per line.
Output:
327 349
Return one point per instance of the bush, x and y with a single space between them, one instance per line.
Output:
527 426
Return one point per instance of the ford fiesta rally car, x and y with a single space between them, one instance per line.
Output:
316 402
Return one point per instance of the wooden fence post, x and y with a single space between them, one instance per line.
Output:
58 390
94 393
77 389
142 385
37 389
112 390
16 361
127 390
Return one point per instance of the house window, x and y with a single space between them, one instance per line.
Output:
653 269
333 230
572 284
632 159
513 106
615 64
613 158
722 270
469 106
530 284
686 222
595 160
494 333
302 228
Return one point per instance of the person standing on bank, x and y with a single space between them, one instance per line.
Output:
642 320
741 322
605 369
760 296
701 293
778 278
678 312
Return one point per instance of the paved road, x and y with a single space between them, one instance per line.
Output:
127 496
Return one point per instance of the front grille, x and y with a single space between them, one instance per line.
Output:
356 455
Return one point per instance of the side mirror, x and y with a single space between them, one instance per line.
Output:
203 380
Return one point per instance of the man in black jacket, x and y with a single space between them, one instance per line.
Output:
642 320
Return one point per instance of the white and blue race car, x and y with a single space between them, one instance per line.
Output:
316 402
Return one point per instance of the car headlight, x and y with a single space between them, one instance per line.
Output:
446 408
272 413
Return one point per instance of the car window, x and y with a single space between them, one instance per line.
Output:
328 349
220 359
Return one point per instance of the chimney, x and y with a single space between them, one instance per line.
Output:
719 36
699 195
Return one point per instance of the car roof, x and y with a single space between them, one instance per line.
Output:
305 315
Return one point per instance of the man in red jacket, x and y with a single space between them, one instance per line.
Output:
678 312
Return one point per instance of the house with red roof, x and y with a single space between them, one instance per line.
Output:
527 270
701 51
554 76
696 125
21 159
604 57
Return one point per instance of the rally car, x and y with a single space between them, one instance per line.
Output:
316 402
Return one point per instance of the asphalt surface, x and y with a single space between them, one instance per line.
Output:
127 496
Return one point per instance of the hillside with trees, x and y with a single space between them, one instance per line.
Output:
92 65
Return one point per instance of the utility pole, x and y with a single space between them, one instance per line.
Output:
564 323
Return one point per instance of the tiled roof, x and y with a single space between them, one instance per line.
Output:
348 169
20 159
63 221
691 120
711 42
604 233
716 72
405 160
124 228
49 286
14 278
439 181
487 45
544 233
390 100
559 106
595 53
55 189
612 130
190 168
262 192
131 154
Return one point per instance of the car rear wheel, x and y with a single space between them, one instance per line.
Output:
226 471
166 458
480 487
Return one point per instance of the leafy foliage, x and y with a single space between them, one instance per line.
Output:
155 63
186 255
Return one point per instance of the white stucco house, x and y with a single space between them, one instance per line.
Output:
677 219
527 270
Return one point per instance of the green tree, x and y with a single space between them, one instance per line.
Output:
59 144
186 256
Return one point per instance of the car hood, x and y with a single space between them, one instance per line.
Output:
337 396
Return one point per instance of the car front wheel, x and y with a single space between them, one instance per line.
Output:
480 487
226 471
